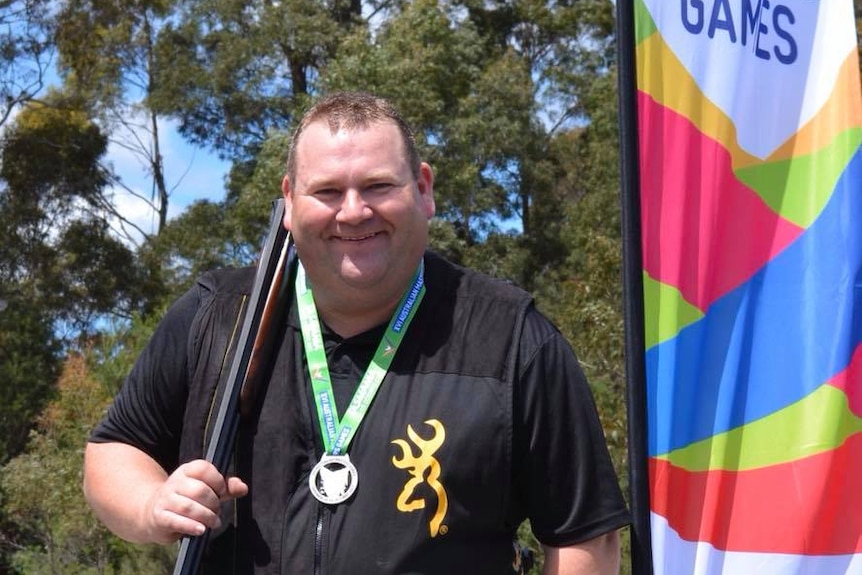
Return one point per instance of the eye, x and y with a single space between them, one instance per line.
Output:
326 193
379 187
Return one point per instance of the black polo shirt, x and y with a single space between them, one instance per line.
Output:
483 420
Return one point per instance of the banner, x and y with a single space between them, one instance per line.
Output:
749 200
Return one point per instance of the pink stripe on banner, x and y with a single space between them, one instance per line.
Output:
806 506
704 232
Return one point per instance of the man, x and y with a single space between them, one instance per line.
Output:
417 413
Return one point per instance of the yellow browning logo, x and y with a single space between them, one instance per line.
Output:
418 465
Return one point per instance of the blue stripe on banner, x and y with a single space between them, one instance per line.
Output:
771 341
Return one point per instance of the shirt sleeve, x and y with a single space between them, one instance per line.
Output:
148 411
563 472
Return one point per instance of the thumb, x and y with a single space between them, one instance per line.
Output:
236 487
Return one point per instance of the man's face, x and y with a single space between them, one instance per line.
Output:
358 216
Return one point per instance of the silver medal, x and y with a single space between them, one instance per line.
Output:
333 480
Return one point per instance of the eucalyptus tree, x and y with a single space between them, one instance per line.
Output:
61 268
48 189
56 247
29 364
562 47
232 70
107 58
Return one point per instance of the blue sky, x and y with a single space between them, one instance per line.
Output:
191 173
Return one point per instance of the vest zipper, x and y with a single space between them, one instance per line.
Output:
318 539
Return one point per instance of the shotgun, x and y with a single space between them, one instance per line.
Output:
270 295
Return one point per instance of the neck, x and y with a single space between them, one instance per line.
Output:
351 310
354 318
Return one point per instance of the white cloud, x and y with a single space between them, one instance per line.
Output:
134 209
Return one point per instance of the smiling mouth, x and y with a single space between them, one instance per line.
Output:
356 238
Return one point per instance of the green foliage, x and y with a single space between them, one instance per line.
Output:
232 71
258 186
50 160
103 43
421 58
41 492
58 260
56 245
47 479
203 237
528 542
110 356
29 364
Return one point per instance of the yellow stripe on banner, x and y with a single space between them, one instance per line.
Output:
799 177
842 111
792 433
663 77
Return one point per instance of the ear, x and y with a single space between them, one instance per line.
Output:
288 202
425 183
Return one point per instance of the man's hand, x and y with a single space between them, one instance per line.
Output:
137 500
187 503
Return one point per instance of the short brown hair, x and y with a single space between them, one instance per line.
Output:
351 111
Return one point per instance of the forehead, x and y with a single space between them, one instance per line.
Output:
324 132
322 146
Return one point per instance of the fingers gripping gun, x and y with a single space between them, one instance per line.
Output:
270 295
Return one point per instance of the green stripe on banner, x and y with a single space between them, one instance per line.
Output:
797 189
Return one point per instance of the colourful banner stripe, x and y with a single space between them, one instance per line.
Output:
694 390
750 134
686 234
777 438
676 556
808 506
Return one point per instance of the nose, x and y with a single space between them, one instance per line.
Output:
353 208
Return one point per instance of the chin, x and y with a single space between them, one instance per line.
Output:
362 280
364 277
366 266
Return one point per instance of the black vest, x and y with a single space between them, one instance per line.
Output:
434 453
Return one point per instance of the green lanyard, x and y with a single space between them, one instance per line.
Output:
336 432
